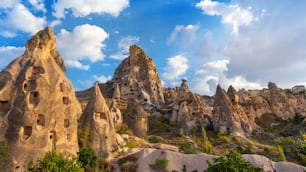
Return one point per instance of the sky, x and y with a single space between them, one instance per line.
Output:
244 43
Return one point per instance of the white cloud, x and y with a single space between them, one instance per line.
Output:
7 34
123 47
102 78
176 67
231 14
187 33
38 5
55 23
20 18
8 3
85 42
215 72
77 64
8 53
81 8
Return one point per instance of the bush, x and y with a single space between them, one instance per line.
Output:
223 137
231 162
133 143
187 148
124 129
54 162
3 149
161 163
87 158
155 139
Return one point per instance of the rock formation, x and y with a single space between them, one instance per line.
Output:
38 107
227 114
96 127
136 118
188 110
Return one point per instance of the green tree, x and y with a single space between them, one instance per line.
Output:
161 163
87 158
56 162
231 162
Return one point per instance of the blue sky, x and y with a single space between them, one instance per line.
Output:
246 43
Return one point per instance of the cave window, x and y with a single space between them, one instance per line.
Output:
41 120
29 85
66 100
34 97
37 70
27 132
145 100
125 84
66 123
4 106
69 137
100 115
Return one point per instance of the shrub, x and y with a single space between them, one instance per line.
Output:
155 139
231 162
54 161
3 149
223 137
124 129
133 143
161 163
87 158
187 148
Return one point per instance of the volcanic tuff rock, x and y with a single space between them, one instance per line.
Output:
228 115
282 103
136 118
38 107
188 109
96 127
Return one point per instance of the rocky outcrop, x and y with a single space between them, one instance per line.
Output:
146 158
38 107
96 127
136 118
273 100
228 115
188 109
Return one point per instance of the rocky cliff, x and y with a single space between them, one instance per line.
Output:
38 106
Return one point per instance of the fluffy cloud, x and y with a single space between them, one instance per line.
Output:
187 33
102 78
81 8
176 67
8 53
8 3
85 42
38 5
215 72
123 47
231 14
19 18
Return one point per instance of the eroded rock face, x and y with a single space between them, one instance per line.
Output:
137 78
136 118
228 115
96 127
188 109
38 106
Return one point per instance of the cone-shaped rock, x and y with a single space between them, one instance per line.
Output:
226 116
38 108
96 127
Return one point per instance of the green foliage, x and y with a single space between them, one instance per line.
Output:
231 162
281 153
88 158
203 132
161 163
221 135
3 149
133 143
56 162
187 148
124 129
155 139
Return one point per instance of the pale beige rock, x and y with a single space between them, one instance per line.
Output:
38 108
96 126
136 118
